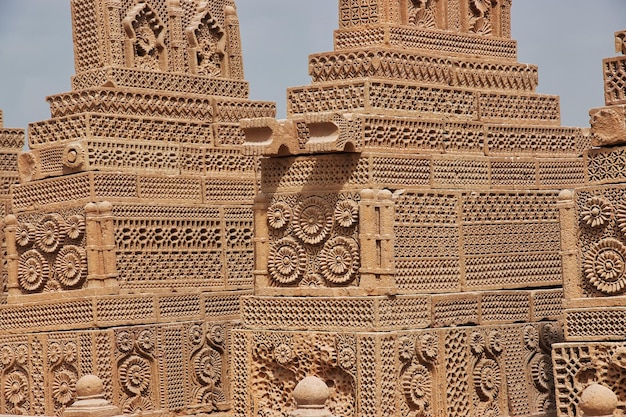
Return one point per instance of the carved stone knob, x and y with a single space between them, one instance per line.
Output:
598 401
311 395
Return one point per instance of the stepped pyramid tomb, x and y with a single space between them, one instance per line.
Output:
593 221
420 237
130 239
407 234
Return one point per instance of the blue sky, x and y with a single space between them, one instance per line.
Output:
566 38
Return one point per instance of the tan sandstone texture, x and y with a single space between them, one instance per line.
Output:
402 245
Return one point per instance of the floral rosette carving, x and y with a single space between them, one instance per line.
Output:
21 354
604 266
145 340
487 379
196 335
287 261
71 266
64 387
33 271
216 334
313 220
124 341
339 260
417 387
549 334
620 217
346 213
208 366
494 342
16 388
597 212
25 234
50 232
283 354
541 372
75 226
428 347
279 215
477 343
347 358
135 375
531 337
55 352
406 348
7 356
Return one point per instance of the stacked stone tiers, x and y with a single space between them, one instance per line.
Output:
444 43
394 97
429 68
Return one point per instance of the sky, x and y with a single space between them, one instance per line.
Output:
567 39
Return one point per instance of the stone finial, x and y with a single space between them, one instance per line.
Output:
598 401
311 395
90 401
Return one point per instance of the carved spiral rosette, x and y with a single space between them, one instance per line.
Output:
50 232
339 260
124 341
145 340
287 261
487 379
135 374
16 388
531 337
196 335
279 215
75 226
494 342
428 347
605 265
549 334
313 220
71 266
406 348
33 271
216 334
477 343
25 234
346 213
64 387
417 386
541 372
208 366
620 217
7 356
597 212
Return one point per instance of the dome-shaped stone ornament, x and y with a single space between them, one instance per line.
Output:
311 395
90 400
598 401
